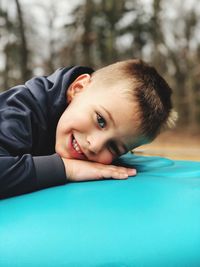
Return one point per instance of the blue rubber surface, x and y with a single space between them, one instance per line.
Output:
150 220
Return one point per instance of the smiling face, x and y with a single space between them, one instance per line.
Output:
98 125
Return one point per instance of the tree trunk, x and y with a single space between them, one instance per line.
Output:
23 49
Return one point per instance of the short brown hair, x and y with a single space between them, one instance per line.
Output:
153 95
148 88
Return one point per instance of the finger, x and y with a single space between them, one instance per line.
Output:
131 172
115 174
120 175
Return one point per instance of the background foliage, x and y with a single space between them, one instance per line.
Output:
36 37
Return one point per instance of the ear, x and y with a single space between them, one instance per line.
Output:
77 86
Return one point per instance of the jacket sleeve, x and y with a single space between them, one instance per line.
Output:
23 174
22 123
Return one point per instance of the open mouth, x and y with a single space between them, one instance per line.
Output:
76 151
76 146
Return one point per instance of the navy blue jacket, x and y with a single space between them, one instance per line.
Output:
28 118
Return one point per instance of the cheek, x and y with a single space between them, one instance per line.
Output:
62 123
105 158
72 122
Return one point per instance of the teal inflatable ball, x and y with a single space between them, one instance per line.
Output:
149 220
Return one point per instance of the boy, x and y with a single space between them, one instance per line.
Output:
71 125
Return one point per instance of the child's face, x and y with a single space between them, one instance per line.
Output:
98 124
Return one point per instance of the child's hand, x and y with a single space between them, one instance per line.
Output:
80 170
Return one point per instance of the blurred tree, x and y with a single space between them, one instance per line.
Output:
87 36
185 59
23 49
135 32
109 13
80 34
13 46
52 36
4 46
95 31
191 96
100 32
8 45
156 35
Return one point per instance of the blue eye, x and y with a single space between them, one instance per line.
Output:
100 120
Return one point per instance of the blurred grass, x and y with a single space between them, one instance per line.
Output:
174 144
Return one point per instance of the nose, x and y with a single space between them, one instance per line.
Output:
96 143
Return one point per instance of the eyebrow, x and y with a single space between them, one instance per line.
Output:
111 118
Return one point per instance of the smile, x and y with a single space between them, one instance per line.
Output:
76 146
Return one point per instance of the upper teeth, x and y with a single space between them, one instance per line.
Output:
76 147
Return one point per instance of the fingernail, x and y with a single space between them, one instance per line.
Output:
133 172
